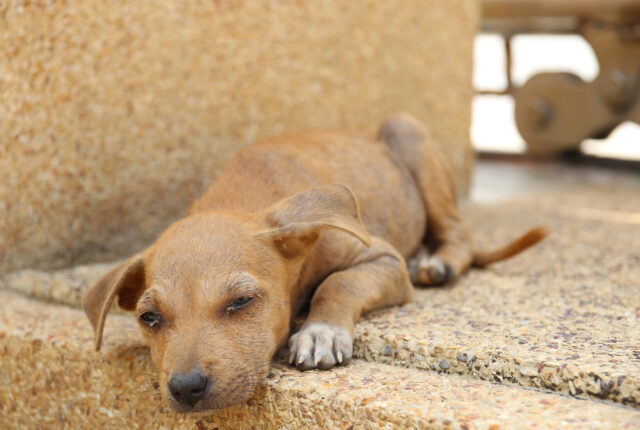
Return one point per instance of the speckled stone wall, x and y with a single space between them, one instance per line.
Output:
115 115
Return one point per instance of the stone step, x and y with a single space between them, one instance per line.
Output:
50 377
563 316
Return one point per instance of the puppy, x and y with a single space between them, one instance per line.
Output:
321 218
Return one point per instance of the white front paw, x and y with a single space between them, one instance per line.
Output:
320 345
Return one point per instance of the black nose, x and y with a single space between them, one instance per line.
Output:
190 388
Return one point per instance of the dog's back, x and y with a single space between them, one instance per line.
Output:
390 202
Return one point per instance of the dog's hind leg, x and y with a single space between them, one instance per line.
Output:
447 235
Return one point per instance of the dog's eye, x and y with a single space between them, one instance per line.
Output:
150 319
239 303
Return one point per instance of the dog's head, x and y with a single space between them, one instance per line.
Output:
214 294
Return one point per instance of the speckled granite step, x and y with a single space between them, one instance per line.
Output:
51 378
594 234
499 329
563 316
63 287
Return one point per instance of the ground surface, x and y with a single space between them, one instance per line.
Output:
549 339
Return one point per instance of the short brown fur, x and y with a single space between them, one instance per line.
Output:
325 218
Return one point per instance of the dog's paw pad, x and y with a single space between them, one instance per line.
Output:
320 345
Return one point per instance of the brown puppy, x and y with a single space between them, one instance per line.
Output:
216 294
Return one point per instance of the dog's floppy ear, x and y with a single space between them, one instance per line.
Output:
295 223
125 281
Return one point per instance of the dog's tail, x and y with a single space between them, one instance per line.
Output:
530 238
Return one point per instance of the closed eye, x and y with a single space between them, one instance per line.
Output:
239 303
150 319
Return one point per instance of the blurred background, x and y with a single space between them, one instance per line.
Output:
493 124
520 39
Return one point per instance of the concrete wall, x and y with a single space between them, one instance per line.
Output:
114 115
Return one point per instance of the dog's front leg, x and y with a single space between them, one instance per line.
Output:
376 278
